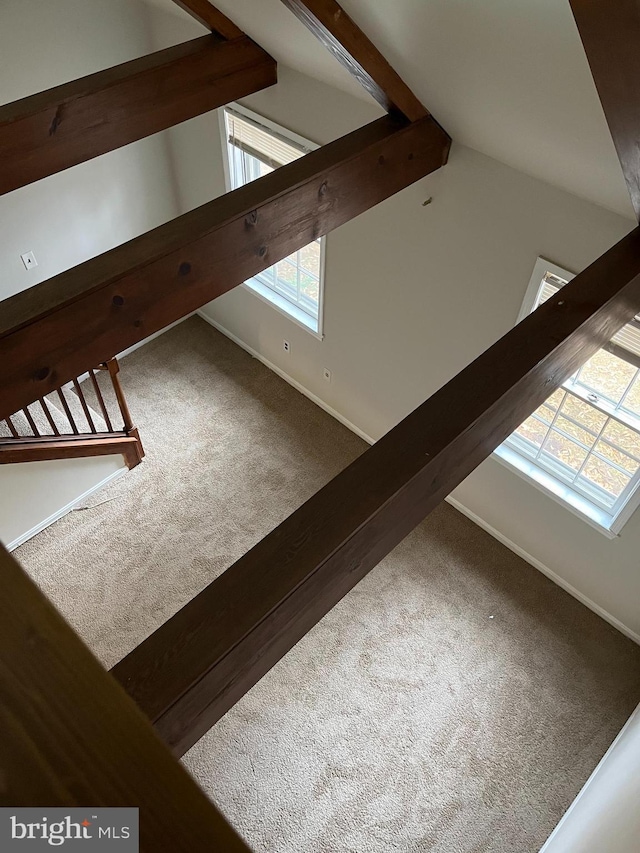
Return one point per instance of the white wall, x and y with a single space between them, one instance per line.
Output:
34 494
79 213
604 816
76 214
415 293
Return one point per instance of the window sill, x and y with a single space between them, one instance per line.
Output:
597 518
291 311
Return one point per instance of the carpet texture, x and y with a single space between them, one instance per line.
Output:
455 701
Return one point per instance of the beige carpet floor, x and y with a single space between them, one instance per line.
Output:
455 701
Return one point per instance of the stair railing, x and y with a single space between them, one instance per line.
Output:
52 432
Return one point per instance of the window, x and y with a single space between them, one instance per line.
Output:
254 147
582 445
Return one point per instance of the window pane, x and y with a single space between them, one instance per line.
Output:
632 401
546 413
575 431
310 258
245 168
309 286
556 399
586 415
564 450
533 430
287 276
606 374
268 277
623 437
606 476
617 456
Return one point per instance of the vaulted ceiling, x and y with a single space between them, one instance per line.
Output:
509 79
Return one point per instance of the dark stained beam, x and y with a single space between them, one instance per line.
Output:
610 33
54 331
188 673
345 40
51 131
72 737
207 14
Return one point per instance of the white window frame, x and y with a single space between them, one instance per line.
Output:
253 285
610 523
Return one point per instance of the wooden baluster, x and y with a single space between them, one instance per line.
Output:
52 423
85 408
105 413
12 429
67 412
114 368
31 422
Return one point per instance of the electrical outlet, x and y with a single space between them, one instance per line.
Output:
286 346
326 374
29 260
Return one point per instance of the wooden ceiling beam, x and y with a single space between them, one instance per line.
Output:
53 130
610 33
53 331
72 738
207 15
340 34
190 671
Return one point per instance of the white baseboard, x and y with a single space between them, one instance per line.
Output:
452 501
301 388
557 579
65 509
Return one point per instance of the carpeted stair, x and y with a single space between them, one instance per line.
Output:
58 415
